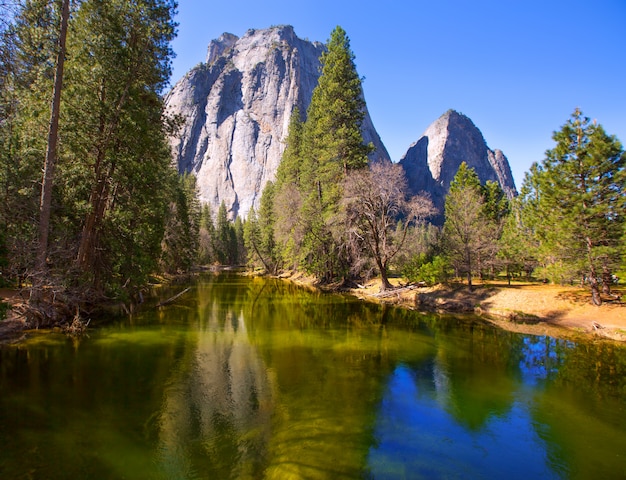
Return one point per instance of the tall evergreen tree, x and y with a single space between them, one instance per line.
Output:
28 54
267 246
287 198
45 205
252 239
120 59
240 247
290 166
575 200
226 241
114 181
516 249
332 145
181 239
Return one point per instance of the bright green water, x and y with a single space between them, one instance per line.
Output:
254 378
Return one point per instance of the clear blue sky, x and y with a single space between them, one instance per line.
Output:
517 68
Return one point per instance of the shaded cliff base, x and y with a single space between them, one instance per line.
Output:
553 310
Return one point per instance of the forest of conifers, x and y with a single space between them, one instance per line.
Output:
92 207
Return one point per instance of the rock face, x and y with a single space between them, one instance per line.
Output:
236 109
431 163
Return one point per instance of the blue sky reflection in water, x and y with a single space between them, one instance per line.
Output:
418 438
259 378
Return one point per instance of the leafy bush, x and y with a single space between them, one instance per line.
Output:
422 268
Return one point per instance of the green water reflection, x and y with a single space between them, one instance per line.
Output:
256 378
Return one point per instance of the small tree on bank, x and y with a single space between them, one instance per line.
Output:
469 232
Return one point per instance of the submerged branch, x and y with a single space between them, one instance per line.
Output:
174 298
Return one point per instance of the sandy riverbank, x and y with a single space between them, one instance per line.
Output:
523 307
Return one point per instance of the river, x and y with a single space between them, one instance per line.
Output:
258 378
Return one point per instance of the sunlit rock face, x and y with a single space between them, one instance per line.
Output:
236 109
432 162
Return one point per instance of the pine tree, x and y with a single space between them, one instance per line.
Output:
260 237
496 210
267 246
516 250
50 161
289 169
238 228
575 201
119 64
222 236
332 145
113 179
287 198
252 240
181 238
28 55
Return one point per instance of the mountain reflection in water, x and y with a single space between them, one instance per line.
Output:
258 378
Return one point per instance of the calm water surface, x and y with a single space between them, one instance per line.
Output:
254 378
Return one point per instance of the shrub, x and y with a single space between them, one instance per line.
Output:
422 268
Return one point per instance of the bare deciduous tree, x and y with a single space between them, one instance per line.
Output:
374 201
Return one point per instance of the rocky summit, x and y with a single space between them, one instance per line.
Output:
431 163
235 110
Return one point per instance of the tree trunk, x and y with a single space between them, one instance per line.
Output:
468 261
595 292
606 280
593 278
50 161
384 285
89 239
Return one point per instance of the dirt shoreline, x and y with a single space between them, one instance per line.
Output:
553 310
558 311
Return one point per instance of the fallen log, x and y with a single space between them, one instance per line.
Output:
395 291
174 298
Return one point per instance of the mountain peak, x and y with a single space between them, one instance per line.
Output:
236 110
432 162
220 47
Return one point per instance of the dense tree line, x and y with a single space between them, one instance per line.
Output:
332 214
92 207
80 98
339 218
329 212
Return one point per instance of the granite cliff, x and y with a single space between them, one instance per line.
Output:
432 161
236 109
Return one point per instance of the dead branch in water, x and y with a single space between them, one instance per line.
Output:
174 298
78 326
